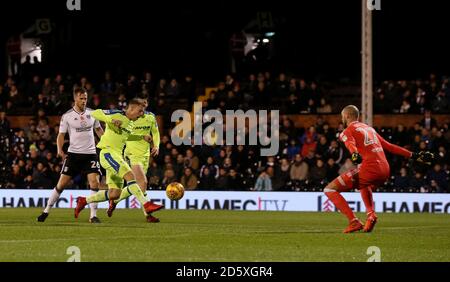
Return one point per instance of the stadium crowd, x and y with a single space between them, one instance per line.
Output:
308 157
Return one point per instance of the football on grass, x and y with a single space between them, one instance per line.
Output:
175 191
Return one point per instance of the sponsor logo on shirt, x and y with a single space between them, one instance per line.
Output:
83 129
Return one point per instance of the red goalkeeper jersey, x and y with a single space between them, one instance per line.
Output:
363 139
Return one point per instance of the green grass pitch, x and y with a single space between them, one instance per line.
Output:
219 236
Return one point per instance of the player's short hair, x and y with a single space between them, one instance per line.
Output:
352 111
142 96
134 101
79 90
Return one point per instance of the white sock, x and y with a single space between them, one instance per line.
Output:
142 206
52 200
93 206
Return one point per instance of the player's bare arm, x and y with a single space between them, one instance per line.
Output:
155 151
60 144
99 131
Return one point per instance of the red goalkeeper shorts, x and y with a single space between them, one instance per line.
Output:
362 177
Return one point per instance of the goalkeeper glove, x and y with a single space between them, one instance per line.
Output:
356 158
424 157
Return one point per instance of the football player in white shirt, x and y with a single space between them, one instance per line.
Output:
82 156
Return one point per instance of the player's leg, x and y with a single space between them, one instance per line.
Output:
64 179
141 180
92 168
134 189
114 182
333 191
94 185
139 168
366 195
369 179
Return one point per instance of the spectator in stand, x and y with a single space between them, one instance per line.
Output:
222 180
310 108
41 177
43 103
405 107
292 106
428 122
122 101
161 88
189 180
43 129
221 91
169 177
173 89
213 168
282 175
262 95
28 182
318 173
42 146
207 180
263 182
4 123
293 87
322 147
231 102
14 96
299 169
213 102
418 182
282 86
16 180
335 151
332 170
108 86
381 104
187 90
47 88
308 146
191 160
235 181
325 107
400 136
440 177
293 149
440 104
402 180
310 133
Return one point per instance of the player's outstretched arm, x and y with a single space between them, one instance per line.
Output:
423 157
394 149
155 136
100 115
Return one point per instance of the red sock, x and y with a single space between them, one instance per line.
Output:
366 195
341 204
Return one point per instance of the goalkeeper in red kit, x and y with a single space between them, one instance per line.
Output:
367 151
